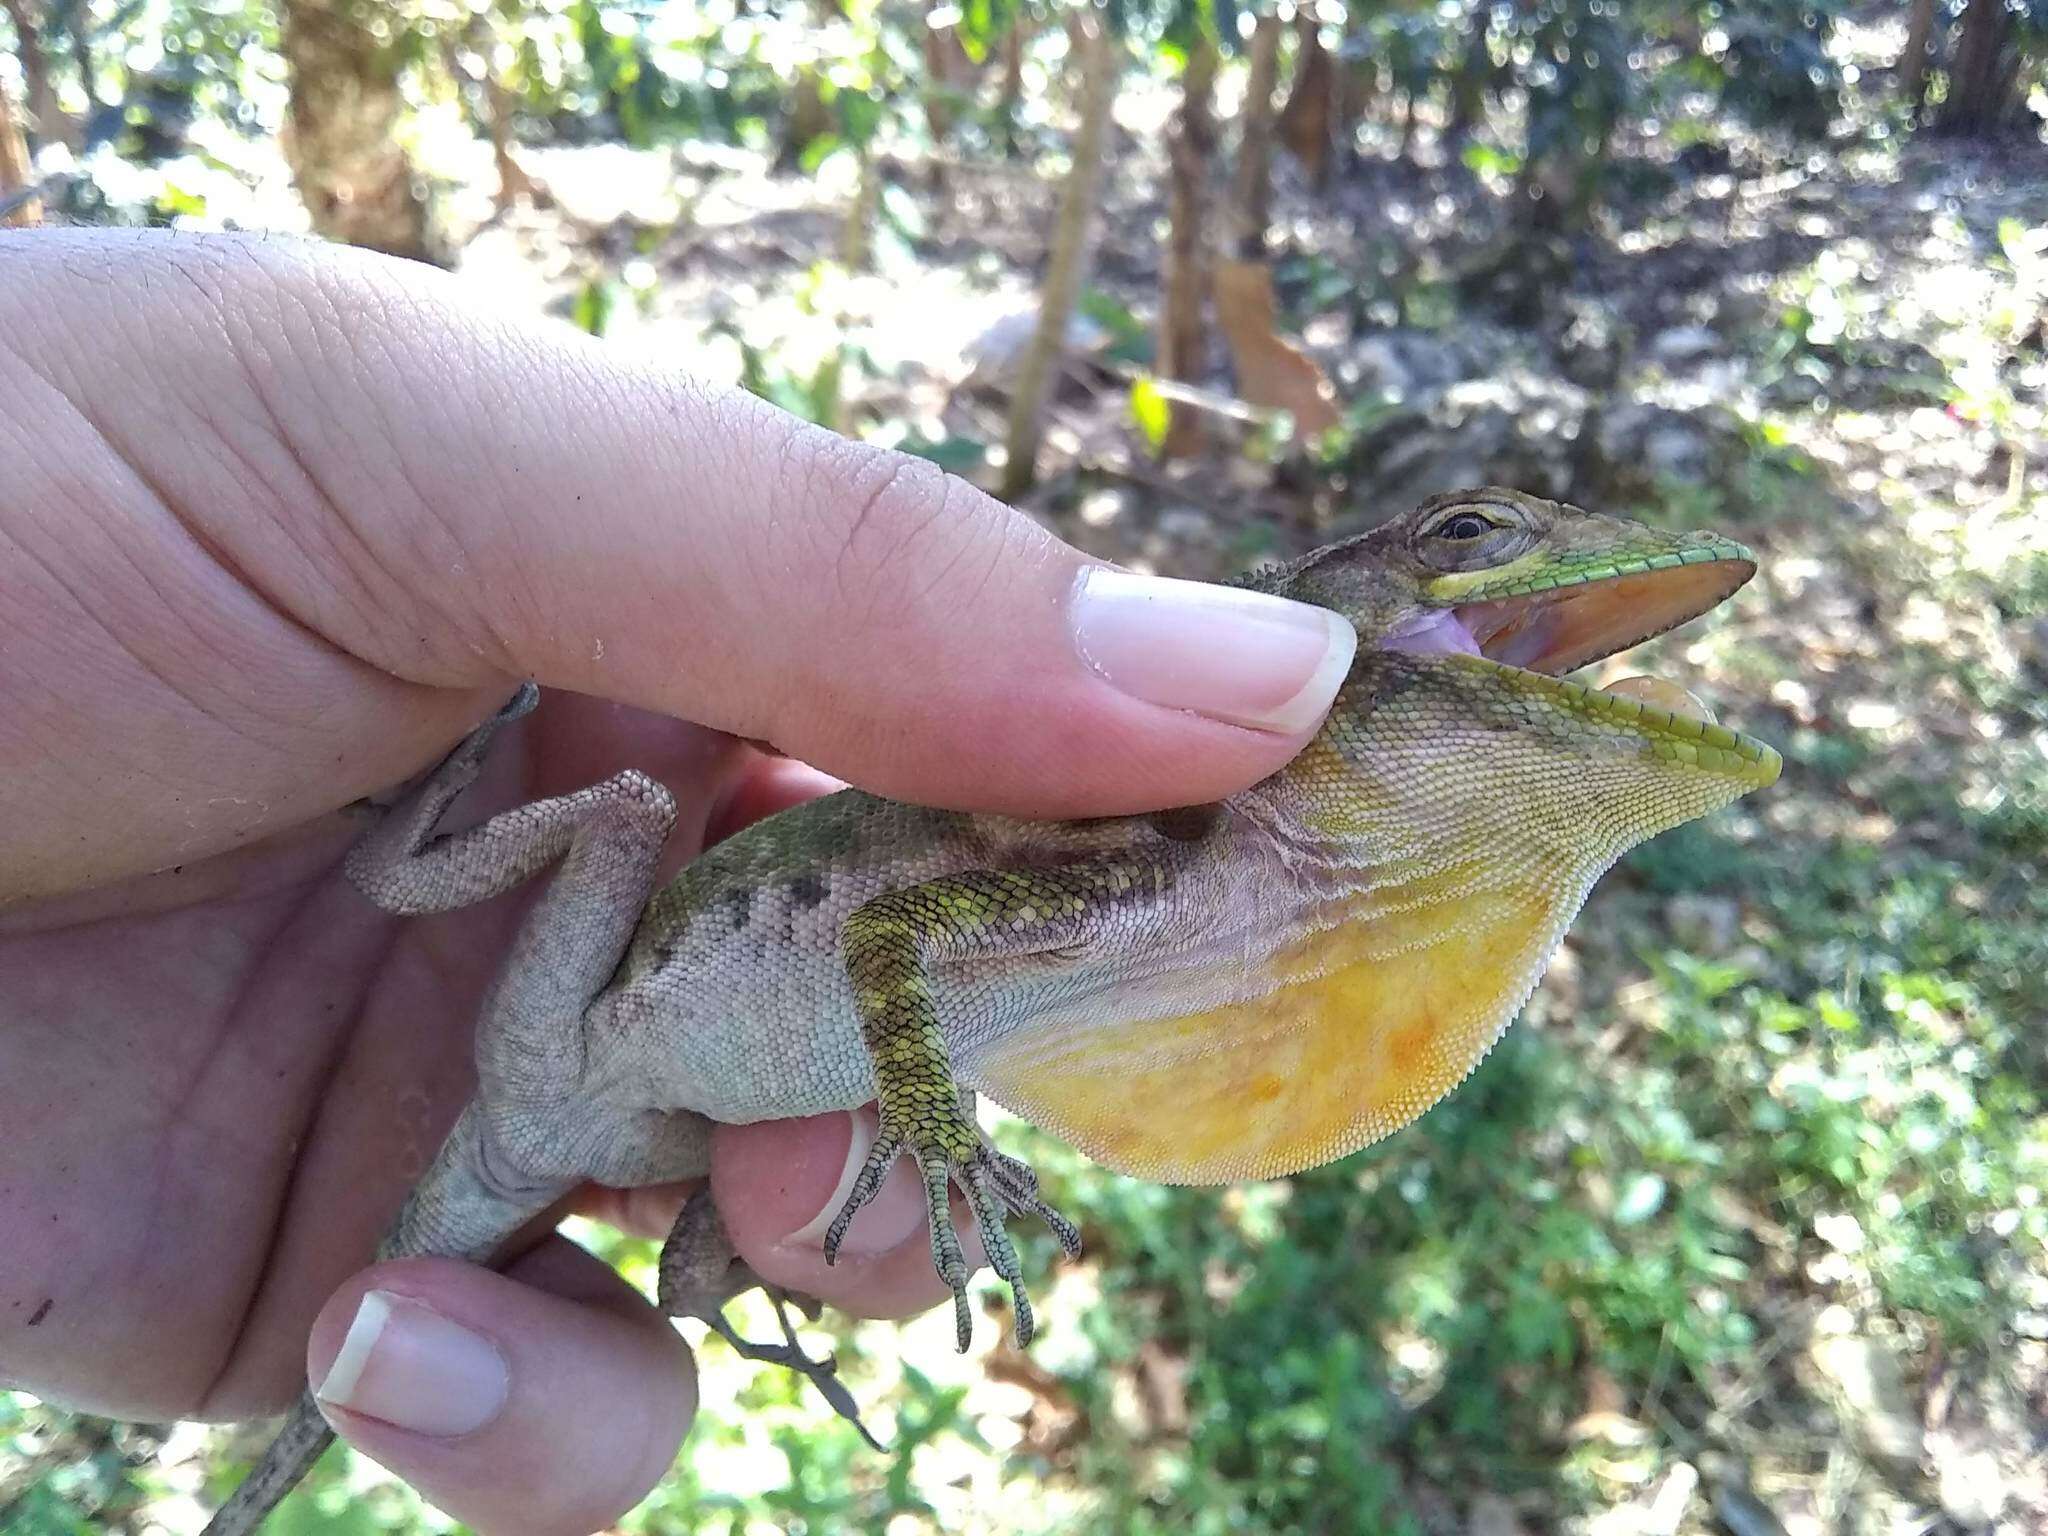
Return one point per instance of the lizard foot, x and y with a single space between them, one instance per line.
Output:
1017 1187
822 1374
700 1271
950 1149
462 766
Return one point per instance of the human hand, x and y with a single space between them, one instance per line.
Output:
278 523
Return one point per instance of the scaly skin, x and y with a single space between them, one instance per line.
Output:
1227 991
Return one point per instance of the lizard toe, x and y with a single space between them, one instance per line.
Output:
983 1194
881 1157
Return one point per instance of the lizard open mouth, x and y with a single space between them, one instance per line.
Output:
1565 628
1558 629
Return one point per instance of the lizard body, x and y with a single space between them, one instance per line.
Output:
1229 991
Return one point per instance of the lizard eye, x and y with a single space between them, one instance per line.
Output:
1471 533
1465 525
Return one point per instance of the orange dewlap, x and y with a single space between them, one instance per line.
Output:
1366 1025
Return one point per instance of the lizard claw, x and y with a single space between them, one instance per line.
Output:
521 704
995 1184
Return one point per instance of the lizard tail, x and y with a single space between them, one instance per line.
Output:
290 1457
459 1209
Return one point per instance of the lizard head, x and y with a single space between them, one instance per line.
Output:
1517 579
1539 588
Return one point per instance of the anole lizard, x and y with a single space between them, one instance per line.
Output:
1228 991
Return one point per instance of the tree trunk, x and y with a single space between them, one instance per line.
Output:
1552 195
951 80
1982 72
515 183
1010 100
1913 61
342 124
808 117
16 172
1191 151
479 38
1474 74
51 122
1097 63
1252 187
1306 121
857 232
1357 83
949 75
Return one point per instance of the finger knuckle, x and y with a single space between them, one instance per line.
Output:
893 529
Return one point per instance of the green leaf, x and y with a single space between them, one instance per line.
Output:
593 310
174 201
959 455
1151 411
1132 337
860 114
818 151
1490 160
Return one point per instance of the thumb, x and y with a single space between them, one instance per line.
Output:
498 501
544 1401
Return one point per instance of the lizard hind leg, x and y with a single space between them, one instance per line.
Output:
700 1272
527 1138
889 945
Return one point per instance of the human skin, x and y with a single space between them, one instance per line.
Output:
278 523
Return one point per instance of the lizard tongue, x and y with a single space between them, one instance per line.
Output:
1442 633
1662 694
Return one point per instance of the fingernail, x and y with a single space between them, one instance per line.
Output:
1245 657
406 1364
896 1211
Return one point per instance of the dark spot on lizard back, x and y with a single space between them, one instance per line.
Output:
807 890
42 1311
1187 823
739 906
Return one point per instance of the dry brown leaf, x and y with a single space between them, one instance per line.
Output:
16 170
1271 371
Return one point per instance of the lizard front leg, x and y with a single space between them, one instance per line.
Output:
890 945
